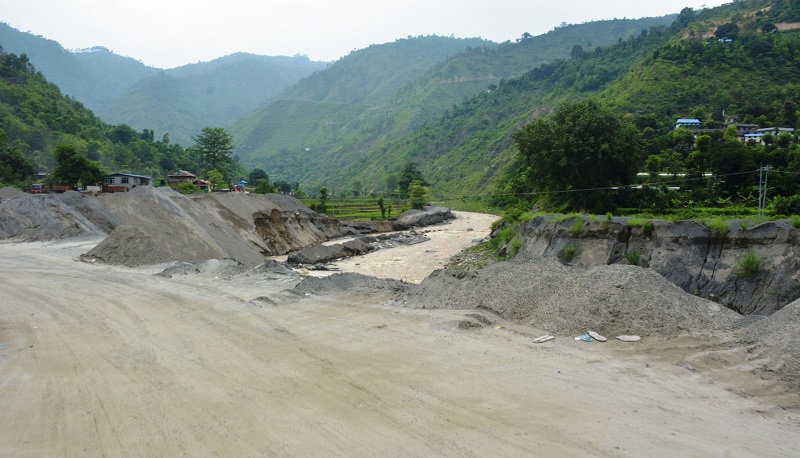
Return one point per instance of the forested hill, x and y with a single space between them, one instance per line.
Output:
35 118
337 124
122 90
692 68
183 100
371 75
96 77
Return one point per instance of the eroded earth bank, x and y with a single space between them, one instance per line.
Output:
180 335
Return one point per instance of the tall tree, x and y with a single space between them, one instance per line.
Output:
74 167
583 147
410 174
214 147
256 175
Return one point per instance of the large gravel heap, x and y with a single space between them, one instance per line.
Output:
778 338
543 293
38 217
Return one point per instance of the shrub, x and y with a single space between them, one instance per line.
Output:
783 205
796 222
632 257
647 227
577 227
504 235
719 226
748 265
264 187
514 246
187 188
567 253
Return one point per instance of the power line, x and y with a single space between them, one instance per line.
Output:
604 188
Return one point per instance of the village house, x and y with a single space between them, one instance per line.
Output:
689 123
182 176
124 182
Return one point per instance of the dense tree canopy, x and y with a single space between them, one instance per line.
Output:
409 175
583 147
74 167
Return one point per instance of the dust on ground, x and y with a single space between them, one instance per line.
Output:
109 360
223 357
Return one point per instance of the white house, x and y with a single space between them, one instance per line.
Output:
123 182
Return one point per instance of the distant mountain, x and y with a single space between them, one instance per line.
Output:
183 100
389 95
122 90
95 77
36 118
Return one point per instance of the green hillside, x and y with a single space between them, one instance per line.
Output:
95 77
35 119
122 90
372 75
184 100
386 114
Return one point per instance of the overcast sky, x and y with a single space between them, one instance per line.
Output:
170 33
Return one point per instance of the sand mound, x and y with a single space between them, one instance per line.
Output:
225 268
349 283
543 293
270 267
778 336
9 193
128 246
179 268
37 217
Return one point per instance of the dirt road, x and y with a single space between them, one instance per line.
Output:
98 360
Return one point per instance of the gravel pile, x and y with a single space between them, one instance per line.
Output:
128 246
778 337
179 268
44 217
543 293
9 193
349 283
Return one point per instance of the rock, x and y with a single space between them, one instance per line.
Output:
626 338
427 217
597 336
325 253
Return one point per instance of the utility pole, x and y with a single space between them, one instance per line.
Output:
763 173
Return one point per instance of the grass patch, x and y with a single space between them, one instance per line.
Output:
796 222
647 227
718 225
577 227
633 257
645 224
568 252
513 247
748 264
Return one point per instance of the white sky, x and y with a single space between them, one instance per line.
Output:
170 33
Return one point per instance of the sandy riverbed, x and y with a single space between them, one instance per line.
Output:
99 360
